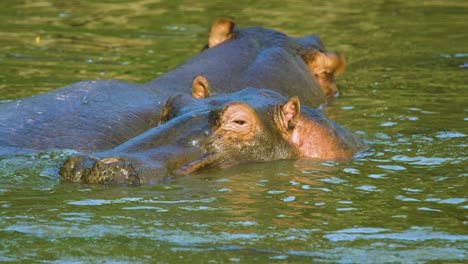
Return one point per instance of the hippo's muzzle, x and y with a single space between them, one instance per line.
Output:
85 169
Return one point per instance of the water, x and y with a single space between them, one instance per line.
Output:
404 91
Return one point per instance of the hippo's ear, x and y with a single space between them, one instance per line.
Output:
290 112
167 112
201 88
173 107
221 30
329 62
325 66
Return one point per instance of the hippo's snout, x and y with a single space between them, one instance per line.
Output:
85 169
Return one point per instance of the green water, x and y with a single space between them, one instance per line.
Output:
405 200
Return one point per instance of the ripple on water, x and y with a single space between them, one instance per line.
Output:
392 167
275 191
449 134
413 234
322 189
418 160
377 176
62 230
224 190
351 171
344 209
243 223
90 202
406 199
411 190
428 209
368 188
388 124
76 216
104 201
153 208
453 201
456 55
203 200
289 199
333 180
203 208
96 202
381 135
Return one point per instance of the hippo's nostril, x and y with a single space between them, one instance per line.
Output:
73 161
110 171
70 170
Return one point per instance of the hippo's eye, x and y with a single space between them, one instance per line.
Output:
239 122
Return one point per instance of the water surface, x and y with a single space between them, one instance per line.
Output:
404 91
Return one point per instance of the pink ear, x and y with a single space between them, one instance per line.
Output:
291 111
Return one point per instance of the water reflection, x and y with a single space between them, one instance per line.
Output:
413 234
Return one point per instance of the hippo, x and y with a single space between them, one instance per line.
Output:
88 115
264 58
252 125
101 114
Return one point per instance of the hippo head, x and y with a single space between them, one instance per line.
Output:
252 125
324 66
242 132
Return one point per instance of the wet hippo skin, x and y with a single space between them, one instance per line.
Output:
98 115
262 58
252 125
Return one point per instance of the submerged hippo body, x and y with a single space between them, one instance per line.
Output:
252 125
98 115
85 115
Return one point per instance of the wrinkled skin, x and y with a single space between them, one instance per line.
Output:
98 115
223 130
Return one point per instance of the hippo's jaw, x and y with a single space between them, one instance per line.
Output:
104 171
204 161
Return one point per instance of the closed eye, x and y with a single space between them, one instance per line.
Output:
239 122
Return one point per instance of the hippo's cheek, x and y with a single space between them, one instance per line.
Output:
305 141
327 82
329 86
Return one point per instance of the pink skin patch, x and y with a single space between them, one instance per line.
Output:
314 141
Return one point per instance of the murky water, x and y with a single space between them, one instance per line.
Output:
404 91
